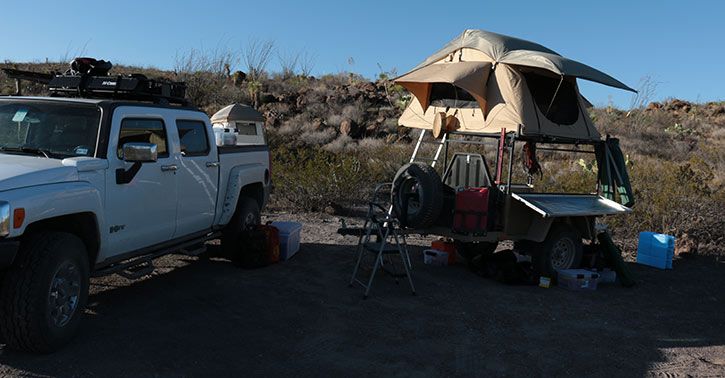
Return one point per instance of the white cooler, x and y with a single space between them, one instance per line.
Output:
289 238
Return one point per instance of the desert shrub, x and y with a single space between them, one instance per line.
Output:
313 178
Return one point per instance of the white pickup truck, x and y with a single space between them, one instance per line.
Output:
96 187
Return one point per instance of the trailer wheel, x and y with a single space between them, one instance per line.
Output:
419 185
247 215
562 249
43 295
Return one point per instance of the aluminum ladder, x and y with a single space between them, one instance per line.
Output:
383 240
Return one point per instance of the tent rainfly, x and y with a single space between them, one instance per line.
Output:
492 82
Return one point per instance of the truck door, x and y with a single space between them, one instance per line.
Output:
198 177
142 212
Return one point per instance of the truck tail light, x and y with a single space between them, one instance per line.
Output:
18 217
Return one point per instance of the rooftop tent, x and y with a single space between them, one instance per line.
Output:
490 82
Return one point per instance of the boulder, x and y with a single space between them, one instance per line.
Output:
348 127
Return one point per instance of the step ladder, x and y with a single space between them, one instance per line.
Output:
421 140
382 241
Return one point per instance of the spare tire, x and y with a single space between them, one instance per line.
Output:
419 185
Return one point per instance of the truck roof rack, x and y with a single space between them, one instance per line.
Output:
88 78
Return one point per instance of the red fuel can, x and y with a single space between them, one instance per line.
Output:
471 211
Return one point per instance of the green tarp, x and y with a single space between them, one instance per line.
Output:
613 176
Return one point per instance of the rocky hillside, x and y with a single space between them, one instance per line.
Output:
675 148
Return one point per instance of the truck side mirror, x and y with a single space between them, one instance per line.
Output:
140 152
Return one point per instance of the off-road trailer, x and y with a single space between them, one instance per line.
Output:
548 226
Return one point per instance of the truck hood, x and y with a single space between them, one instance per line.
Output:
19 171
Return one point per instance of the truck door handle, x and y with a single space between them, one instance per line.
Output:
170 167
212 164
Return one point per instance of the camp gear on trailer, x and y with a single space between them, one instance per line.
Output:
612 172
530 162
436 257
289 238
577 279
447 246
383 240
655 250
614 257
493 82
471 211
261 247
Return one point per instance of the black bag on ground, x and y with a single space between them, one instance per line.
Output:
504 267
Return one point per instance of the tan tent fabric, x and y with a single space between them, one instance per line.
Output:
494 69
237 112
504 49
470 76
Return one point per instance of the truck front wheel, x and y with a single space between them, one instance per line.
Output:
247 215
43 295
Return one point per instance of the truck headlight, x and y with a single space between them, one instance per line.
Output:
4 219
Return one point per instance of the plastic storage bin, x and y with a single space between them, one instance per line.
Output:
435 257
577 279
289 238
655 250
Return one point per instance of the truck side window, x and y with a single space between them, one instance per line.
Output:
142 130
193 138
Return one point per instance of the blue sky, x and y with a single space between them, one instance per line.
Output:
678 45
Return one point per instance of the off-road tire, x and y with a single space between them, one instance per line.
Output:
247 209
430 194
25 321
543 253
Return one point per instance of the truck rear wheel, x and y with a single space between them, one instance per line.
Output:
247 215
562 249
43 295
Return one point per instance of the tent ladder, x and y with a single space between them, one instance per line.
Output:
421 140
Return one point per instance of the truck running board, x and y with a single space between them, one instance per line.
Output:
138 271
142 265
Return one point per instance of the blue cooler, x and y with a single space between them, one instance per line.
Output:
655 250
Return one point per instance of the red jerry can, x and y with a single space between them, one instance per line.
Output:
471 211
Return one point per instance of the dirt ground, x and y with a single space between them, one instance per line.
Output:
203 317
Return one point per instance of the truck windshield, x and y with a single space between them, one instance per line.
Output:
53 130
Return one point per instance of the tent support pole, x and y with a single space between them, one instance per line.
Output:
553 98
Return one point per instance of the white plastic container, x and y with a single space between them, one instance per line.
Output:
577 279
289 238
435 257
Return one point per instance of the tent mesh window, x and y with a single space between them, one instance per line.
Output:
449 95
564 110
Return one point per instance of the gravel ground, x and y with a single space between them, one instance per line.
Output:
203 317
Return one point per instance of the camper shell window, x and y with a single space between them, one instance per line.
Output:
564 110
